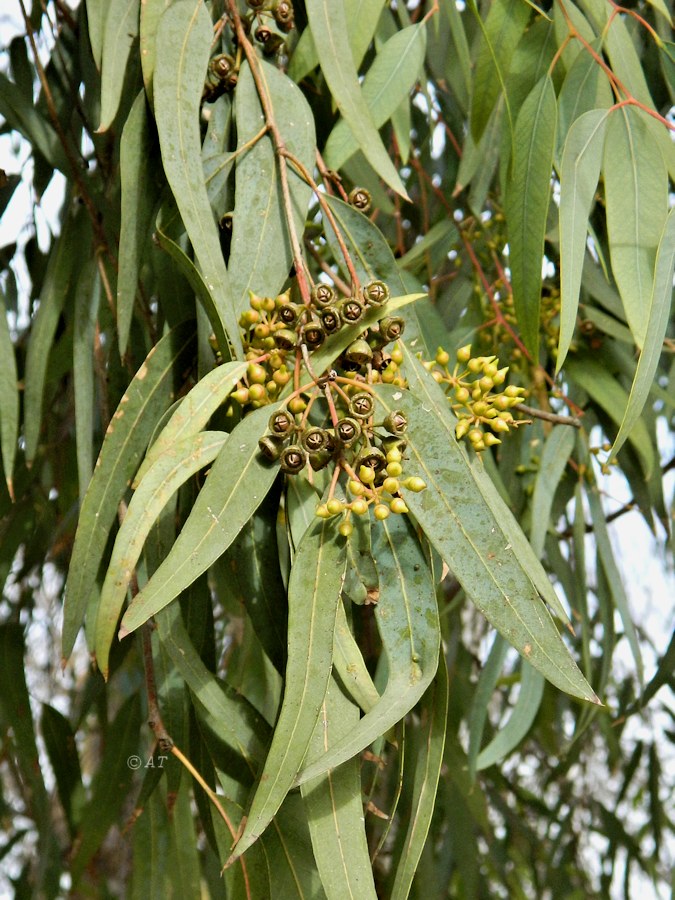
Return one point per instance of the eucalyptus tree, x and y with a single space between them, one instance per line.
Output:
312 404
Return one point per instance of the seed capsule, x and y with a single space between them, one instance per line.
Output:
351 310
323 295
313 439
372 458
285 339
320 459
359 352
281 423
362 405
348 431
331 321
396 422
270 446
375 293
360 198
289 313
391 328
313 335
293 459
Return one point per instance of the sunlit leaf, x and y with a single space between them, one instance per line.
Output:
579 173
526 206
127 436
236 485
185 35
328 22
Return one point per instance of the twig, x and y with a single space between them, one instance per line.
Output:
548 416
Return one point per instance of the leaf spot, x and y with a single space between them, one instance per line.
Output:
527 650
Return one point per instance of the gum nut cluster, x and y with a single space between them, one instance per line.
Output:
368 454
478 398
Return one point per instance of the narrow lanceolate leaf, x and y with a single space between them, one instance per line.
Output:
349 665
636 194
502 30
466 532
164 477
407 619
235 486
579 174
139 197
9 399
519 722
527 200
234 721
329 30
185 36
261 255
194 411
313 597
121 30
191 272
430 393
151 13
335 809
58 281
557 450
657 325
87 295
601 385
387 83
128 434
424 771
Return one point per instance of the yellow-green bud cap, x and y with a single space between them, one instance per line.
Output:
464 354
394 469
335 506
398 506
345 528
381 512
322 511
355 487
415 484
442 357
367 474
359 506
391 485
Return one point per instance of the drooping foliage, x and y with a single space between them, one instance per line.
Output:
347 322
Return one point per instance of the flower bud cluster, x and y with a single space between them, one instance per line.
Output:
475 387
369 456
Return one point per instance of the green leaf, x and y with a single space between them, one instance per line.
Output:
236 485
9 399
169 471
22 116
328 22
636 196
554 458
465 531
261 255
519 722
110 786
185 35
362 18
96 16
426 388
586 87
526 205
656 328
87 296
127 436
424 772
407 619
194 411
139 198
313 597
387 83
482 698
350 667
233 720
187 268
121 31
501 31
56 286
61 748
334 807
579 174
601 385
151 13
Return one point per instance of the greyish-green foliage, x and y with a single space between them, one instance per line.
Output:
354 315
